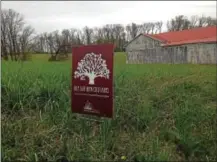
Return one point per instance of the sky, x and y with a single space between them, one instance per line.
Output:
47 16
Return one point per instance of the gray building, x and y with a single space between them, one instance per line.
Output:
197 46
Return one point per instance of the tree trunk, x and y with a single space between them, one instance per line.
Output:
91 80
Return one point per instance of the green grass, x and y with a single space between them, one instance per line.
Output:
162 112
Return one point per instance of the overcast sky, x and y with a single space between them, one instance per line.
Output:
46 16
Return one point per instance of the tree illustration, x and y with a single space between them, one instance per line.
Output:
92 66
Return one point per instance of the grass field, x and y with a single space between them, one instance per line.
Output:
162 112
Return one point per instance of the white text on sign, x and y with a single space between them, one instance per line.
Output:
89 89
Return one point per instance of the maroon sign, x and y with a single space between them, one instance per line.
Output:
92 80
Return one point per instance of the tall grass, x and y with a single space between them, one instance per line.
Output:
162 112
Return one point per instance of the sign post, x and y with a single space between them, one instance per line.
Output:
92 80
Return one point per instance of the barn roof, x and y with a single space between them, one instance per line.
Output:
196 35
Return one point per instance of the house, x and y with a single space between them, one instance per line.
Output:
197 45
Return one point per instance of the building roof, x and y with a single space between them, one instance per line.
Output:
196 35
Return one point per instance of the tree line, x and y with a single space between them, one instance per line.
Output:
18 38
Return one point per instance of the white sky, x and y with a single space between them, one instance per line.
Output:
46 16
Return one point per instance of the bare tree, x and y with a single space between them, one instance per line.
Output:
123 40
180 22
107 32
16 37
4 43
25 39
152 26
158 26
72 36
15 25
88 33
132 30
146 28
118 30
194 21
211 21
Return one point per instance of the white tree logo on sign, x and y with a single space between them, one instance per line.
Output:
92 66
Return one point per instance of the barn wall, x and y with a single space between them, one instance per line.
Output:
158 55
202 53
141 43
138 44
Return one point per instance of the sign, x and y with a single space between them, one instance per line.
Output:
92 80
